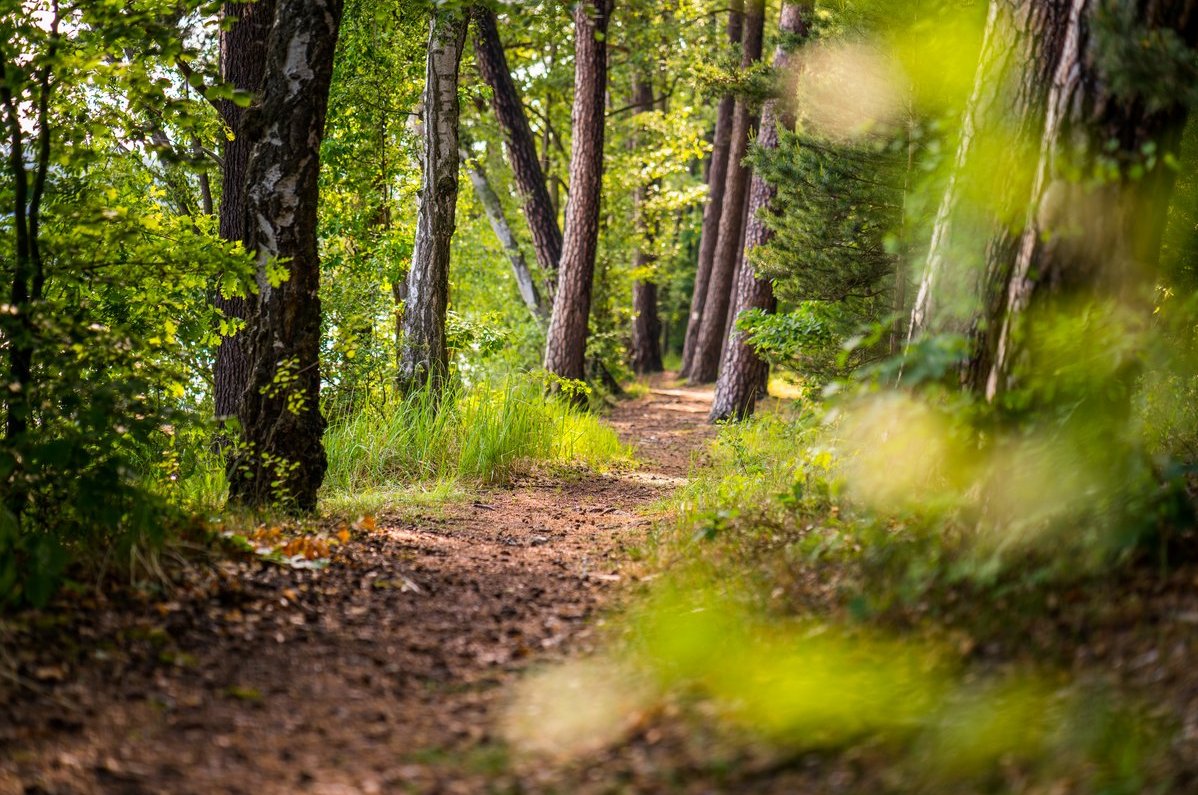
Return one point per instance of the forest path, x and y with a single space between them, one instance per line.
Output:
385 672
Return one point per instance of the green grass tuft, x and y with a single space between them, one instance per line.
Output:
422 450
485 434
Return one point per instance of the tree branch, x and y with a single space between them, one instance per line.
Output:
188 73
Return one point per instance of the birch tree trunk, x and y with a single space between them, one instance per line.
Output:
282 460
242 64
493 207
424 353
706 357
565 349
519 143
717 172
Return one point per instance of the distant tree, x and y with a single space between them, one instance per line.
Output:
565 350
424 352
743 373
646 323
717 171
242 65
493 207
281 459
519 142
708 345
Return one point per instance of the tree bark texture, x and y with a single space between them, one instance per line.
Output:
717 171
281 459
1098 238
565 349
519 142
242 64
740 261
706 358
975 231
743 374
646 323
493 207
424 353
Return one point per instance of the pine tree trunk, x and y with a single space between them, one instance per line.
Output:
242 62
1081 240
282 460
707 350
740 261
565 349
743 374
493 207
519 143
717 171
424 353
646 324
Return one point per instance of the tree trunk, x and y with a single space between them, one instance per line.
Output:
1093 241
646 324
242 64
424 355
493 207
962 282
282 459
740 261
646 327
706 357
565 348
743 374
518 142
717 171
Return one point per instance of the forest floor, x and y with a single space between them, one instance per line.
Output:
396 668
386 671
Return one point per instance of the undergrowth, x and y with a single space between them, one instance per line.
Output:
427 447
485 434
862 615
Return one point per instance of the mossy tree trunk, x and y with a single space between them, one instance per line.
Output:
1102 185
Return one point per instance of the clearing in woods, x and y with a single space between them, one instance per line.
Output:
385 672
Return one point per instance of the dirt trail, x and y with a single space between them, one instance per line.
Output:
385 672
